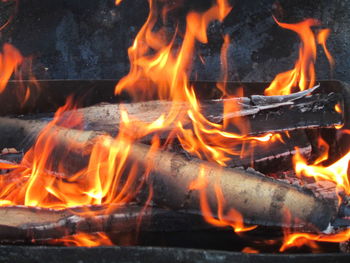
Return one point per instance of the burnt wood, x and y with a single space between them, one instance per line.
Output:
259 199
19 224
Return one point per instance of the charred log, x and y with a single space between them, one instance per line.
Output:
257 114
25 224
265 157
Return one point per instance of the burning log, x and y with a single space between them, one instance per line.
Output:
23 133
259 199
25 224
259 114
274 156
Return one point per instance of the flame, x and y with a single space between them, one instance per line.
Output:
338 108
13 63
250 250
161 64
233 218
324 147
118 2
301 239
303 74
85 240
336 172
10 59
321 39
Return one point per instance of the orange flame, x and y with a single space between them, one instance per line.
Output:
233 218
10 59
301 239
303 74
321 39
250 250
336 172
11 17
12 63
338 108
85 240
160 68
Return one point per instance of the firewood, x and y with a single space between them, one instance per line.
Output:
25 224
257 115
264 156
272 156
259 199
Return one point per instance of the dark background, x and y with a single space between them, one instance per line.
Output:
88 39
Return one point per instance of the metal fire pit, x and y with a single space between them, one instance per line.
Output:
203 246
153 254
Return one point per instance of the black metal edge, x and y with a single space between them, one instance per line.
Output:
152 255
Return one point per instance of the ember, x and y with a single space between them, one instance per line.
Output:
168 159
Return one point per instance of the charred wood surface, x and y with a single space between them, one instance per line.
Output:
272 156
25 224
257 115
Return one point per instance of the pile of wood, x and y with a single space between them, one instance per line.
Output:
260 199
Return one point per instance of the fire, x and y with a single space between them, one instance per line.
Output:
98 183
338 108
302 76
321 39
236 219
161 64
13 63
250 250
10 59
336 172
86 240
301 239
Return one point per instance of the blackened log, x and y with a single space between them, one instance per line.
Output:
273 156
314 111
25 224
